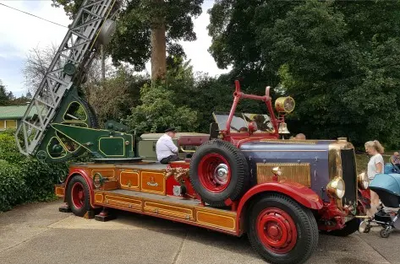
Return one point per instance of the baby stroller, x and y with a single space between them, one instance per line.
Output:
387 186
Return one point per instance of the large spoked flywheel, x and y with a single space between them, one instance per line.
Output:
57 147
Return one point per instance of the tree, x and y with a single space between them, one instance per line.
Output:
235 28
147 29
345 76
119 93
4 100
338 59
157 112
37 62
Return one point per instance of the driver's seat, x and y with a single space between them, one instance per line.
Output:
214 130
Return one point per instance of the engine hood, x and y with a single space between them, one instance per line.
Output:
309 162
295 145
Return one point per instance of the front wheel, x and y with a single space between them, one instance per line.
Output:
78 196
281 230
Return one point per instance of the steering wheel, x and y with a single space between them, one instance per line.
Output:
396 167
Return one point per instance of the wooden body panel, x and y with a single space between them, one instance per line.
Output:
130 180
152 182
188 211
59 190
143 189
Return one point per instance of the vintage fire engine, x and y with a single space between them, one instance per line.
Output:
242 177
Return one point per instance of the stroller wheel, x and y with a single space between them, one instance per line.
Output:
385 232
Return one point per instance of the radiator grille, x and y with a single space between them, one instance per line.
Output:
297 172
349 176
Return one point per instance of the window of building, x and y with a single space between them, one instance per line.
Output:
11 123
6 124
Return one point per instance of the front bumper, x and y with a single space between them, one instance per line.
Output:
331 217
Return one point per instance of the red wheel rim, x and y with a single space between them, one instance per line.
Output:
214 172
276 230
78 195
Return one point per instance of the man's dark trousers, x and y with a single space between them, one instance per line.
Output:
169 159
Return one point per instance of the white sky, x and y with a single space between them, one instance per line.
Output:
20 32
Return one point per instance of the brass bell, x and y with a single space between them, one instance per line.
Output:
283 128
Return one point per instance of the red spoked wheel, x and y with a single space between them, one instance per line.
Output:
276 230
219 171
214 172
78 196
281 230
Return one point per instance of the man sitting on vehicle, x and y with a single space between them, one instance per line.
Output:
165 147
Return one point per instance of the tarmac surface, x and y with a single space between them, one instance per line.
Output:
39 233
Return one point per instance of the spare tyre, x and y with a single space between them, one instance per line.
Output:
219 171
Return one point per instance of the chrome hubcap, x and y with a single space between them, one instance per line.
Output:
221 174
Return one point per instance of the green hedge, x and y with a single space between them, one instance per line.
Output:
24 179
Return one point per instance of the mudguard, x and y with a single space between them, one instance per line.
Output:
298 192
88 180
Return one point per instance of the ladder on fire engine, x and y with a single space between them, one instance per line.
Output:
92 23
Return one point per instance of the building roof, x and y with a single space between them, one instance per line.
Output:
14 111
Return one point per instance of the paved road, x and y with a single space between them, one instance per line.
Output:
38 233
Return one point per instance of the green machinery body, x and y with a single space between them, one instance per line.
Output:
74 130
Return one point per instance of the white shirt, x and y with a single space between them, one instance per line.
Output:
372 170
165 147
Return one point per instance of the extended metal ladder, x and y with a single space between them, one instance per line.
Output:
73 56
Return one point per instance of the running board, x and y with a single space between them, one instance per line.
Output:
178 209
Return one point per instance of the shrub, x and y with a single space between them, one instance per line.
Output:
25 179
12 186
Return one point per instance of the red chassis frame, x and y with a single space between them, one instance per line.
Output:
239 138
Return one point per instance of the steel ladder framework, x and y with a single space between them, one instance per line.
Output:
75 49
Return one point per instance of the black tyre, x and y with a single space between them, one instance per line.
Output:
351 227
78 196
281 230
384 233
219 171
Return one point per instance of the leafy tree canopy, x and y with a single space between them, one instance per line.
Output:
339 60
131 41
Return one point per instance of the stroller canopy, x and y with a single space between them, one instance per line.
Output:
388 182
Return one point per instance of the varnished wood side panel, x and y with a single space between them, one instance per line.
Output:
60 191
169 210
110 185
130 180
297 172
216 219
152 182
124 202
99 198
108 173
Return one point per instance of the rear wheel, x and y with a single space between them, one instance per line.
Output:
281 230
78 196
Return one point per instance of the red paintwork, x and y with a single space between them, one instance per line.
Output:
276 230
192 140
77 171
298 192
207 169
238 94
331 213
171 181
78 195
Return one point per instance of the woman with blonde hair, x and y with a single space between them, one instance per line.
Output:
375 166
